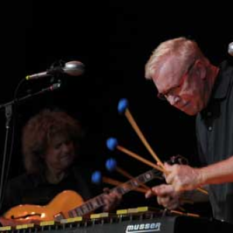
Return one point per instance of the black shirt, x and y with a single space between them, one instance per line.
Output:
214 127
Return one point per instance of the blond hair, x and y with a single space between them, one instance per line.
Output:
186 50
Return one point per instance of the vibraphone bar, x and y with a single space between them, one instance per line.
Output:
136 220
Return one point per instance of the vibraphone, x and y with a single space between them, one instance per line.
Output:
138 220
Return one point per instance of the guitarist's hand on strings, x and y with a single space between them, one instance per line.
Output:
111 200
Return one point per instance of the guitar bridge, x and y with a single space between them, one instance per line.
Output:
58 217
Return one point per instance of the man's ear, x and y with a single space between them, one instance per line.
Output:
200 69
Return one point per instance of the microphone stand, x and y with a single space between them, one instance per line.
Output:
8 114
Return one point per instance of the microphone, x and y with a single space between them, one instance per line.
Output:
230 48
53 87
72 68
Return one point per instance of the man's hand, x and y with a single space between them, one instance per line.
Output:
183 177
166 196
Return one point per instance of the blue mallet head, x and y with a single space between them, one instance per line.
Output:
111 164
122 105
112 143
96 177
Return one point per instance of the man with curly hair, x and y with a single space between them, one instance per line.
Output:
50 143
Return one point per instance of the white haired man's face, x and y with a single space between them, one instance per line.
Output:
183 90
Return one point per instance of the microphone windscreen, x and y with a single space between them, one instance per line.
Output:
74 68
230 48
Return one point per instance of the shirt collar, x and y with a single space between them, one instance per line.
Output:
222 81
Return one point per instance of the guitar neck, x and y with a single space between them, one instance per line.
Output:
98 201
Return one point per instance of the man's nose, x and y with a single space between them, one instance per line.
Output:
173 99
66 147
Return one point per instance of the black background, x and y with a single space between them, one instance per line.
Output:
114 39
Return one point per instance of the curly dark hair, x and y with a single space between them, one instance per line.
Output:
38 132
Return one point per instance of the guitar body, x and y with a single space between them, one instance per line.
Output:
62 203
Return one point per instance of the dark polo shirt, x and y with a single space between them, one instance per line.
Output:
214 127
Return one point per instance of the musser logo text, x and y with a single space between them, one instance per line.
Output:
142 228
